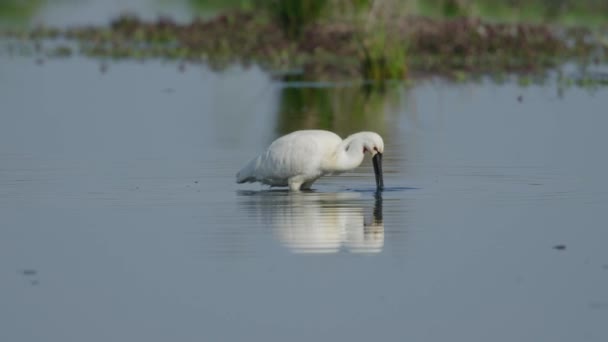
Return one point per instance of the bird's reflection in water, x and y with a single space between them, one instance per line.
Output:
311 222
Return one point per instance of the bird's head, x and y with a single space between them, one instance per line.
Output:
373 143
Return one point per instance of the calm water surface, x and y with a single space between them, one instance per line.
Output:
120 219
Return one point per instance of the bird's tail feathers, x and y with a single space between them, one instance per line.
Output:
246 175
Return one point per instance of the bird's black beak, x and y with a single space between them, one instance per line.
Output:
377 160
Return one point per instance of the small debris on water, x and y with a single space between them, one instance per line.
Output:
29 272
30 275
598 305
520 98
559 247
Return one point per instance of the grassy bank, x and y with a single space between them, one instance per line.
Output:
347 39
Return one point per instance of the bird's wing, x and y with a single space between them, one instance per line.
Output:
297 153
291 155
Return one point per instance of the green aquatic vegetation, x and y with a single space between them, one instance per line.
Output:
459 76
217 6
524 80
499 77
293 15
455 8
61 51
566 12
17 11
381 59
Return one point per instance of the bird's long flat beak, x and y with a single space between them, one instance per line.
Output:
377 160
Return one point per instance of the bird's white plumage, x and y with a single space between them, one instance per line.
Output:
299 158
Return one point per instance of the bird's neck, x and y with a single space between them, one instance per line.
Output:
348 155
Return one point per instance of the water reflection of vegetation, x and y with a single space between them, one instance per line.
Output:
342 109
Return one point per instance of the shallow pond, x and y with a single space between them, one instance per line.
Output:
120 219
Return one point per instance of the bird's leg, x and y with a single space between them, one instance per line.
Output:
295 183
306 186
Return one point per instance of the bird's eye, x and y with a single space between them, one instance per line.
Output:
375 149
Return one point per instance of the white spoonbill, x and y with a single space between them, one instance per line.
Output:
301 157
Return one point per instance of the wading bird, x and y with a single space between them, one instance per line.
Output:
299 158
